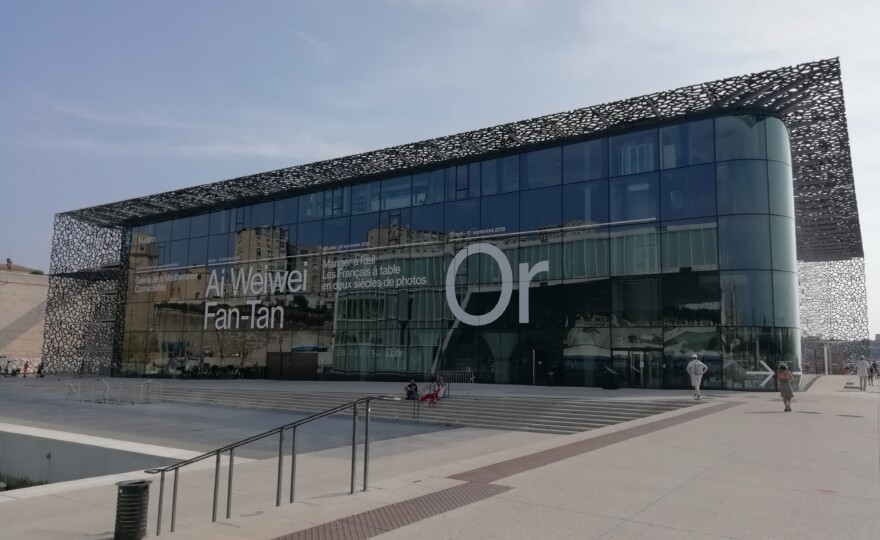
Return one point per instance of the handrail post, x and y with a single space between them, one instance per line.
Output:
293 463
216 487
354 430
161 492
229 484
367 445
280 466
174 501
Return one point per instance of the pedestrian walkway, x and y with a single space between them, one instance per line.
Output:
734 466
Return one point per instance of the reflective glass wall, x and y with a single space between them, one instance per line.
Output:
612 257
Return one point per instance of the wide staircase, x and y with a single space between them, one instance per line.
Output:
543 415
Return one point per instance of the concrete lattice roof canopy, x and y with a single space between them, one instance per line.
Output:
807 97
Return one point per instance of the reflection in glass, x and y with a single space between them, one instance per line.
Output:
499 214
220 222
740 137
783 244
691 299
778 146
541 168
337 202
261 215
742 187
462 217
540 209
687 193
634 197
427 188
680 343
586 253
585 203
396 193
286 211
585 161
364 198
781 189
500 175
180 229
744 241
636 302
633 153
690 245
746 299
199 225
635 249
311 206
785 299
689 143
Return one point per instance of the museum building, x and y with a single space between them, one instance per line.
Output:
611 241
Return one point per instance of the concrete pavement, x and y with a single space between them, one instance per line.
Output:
741 468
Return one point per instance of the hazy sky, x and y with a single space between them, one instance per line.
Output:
106 100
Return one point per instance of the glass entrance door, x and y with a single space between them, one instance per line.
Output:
639 369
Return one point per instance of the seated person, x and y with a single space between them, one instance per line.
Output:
412 390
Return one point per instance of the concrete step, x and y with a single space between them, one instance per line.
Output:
539 415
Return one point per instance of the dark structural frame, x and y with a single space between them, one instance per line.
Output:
88 275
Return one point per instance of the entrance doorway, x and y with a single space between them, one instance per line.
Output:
639 369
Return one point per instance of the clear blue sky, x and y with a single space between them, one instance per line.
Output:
106 100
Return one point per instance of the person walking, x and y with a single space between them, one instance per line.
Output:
696 370
27 364
862 371
784 379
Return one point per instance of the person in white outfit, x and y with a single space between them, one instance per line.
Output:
696 370
862 368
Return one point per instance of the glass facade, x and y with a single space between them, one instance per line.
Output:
620 255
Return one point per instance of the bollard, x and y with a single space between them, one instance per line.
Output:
132 502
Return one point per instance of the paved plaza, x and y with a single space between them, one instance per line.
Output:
734 466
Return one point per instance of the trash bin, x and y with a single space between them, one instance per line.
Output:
132 502
610 380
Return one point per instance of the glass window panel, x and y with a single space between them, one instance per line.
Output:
785 299
744 242
499 214
781 189
180 229
240 218
634 197
540 209
585 161
199 225
586 352
541 168
690 245
691 143
636 338
395 227
635 249
585 203
682 342
427 188
633 153
220 222
286 211
691 299
536 248
500 175
746 299
365 198
311 206
364 229
588 303
742 187
162 231
197 254
636 302
309 237
337 202
336 234
261 215
740 137
687 192
462 217
177 253
396 192
783 244
428 222
585 253
221 248
778 145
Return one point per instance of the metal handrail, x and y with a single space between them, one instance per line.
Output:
280 432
